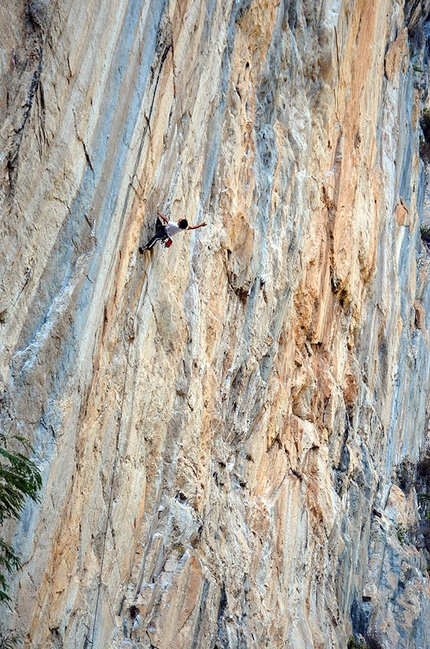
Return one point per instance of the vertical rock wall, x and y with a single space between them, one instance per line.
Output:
220 425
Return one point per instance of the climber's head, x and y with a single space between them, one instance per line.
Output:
183 224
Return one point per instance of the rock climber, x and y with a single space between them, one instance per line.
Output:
166 232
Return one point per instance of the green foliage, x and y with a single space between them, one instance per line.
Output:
425 140
9 561
19 478
355 644
402 533
8 642
179 549
424 496
425 236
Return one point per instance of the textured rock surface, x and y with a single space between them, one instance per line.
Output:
220 425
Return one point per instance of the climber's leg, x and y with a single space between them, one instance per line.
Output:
160 234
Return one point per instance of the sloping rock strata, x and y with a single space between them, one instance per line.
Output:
229 429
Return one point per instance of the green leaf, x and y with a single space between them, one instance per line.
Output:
19 478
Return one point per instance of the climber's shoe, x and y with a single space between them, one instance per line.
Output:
142 249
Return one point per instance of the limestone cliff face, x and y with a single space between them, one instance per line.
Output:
227 429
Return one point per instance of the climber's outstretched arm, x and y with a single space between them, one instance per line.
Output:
194 227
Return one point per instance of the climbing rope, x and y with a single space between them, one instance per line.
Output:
89 641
